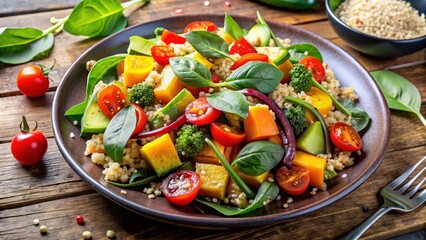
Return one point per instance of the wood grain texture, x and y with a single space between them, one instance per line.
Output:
53 193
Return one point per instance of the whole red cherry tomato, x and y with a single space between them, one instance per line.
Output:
181 187
345 137
29 146
162 54
226 135
33 80
200 112
293 181
315 66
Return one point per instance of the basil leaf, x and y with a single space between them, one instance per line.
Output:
16 39
258 157
208 44
360 118
191 72
96 18
267 192
139 46
400 93
297 52
119 131
261 76
232 28
229 101
17 52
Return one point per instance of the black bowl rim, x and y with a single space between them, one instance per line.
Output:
221 222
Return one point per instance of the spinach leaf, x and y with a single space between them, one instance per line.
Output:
96 18
191 72
119 131
139 46
261 76
258 157
229 101
267 192
297 52
208 44
232 28
359 117
400 94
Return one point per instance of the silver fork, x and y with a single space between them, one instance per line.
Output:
395 198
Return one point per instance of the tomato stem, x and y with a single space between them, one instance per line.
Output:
25 128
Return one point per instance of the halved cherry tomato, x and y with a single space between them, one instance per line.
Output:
162 54
242 47
248 58
345 137
141 119
226 135
293 181
200 26
181 187
200 112
111 100
315 66
170 37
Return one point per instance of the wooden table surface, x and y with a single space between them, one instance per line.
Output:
53 193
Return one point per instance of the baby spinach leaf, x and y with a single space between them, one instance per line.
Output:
229 101
258 157
359 117
96 18
297 52
208 44
139 46
232 28
118 132
267 192
261 76
191 72
400 93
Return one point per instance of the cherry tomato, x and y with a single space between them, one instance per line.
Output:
111 100
248 58
181 187
141 119
200 112
293 181
33 81
226 135
242 47
314 65
201 26
345 137
195 91
29 146
170 37
162 54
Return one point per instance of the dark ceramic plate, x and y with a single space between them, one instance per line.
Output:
72 90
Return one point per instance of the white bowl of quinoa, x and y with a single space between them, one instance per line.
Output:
381 28
342 67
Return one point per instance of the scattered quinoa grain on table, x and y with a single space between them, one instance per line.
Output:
43 229
110 234
36 221
87 235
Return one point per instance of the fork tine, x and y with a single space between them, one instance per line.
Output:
408 184
421 198
404 176
417 188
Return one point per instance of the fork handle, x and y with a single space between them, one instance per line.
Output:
356 232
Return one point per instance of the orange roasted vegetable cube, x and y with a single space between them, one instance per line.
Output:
168 87
208 156
214 180
259 124
136 69
316 166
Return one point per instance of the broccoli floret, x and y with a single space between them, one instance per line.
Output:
296 117
142 94
301 78
190 140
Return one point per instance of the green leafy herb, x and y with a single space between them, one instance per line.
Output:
119 131
258 157
334 4
191 72
208 44
400 93
229 101
267 192
237 179
297 52
139 46
232 28
139 178
360 118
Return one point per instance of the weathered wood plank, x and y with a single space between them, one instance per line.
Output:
16 7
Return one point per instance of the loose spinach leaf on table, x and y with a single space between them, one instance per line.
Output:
297 52
258 157
232 28
400 93
360 118
118 132
229 101
208 44
267 192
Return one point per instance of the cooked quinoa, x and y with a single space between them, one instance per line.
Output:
391 19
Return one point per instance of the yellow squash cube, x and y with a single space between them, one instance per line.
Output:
214 180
